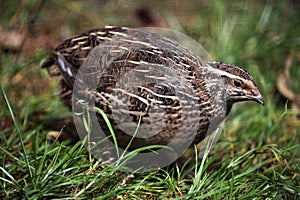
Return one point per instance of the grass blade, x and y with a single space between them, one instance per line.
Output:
17 127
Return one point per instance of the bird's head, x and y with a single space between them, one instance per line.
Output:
239 84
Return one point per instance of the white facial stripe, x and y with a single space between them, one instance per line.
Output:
231 76
224 73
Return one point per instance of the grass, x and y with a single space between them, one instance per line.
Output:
257 156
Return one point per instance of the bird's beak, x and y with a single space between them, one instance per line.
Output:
259 99
256 96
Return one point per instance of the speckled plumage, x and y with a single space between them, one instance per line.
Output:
169 108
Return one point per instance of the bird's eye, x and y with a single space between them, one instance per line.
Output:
237 83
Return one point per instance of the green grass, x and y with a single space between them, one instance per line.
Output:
257 156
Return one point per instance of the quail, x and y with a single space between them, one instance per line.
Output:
170 92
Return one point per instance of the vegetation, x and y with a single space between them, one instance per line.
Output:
257 156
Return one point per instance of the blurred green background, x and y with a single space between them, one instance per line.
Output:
258 153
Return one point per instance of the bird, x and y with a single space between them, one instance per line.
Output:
148 80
